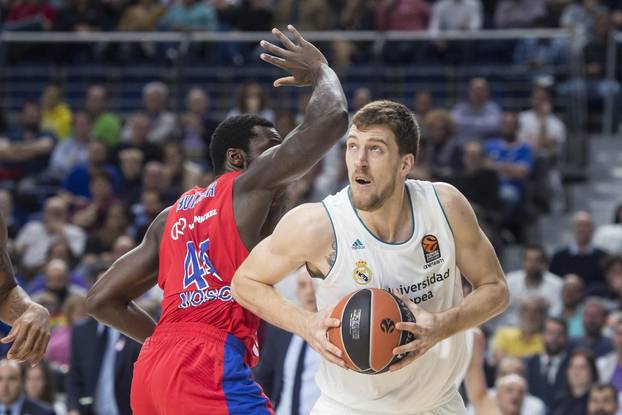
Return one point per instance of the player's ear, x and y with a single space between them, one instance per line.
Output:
236 159
408 162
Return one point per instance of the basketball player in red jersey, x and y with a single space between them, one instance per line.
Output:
196 360
30 322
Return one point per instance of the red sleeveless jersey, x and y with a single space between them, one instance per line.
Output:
200 251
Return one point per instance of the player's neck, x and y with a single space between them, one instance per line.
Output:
393 221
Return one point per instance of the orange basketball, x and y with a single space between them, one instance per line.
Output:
429 243
367 335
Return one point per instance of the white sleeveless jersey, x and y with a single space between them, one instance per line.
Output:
424 269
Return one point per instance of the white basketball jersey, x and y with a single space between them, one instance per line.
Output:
424 269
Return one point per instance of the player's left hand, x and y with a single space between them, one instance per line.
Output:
30 334
426 331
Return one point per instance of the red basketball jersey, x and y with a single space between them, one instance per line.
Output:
200 251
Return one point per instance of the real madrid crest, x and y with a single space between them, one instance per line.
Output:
362 273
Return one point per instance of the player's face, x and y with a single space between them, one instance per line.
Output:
374 166
265 138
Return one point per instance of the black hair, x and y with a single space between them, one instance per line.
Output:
233 132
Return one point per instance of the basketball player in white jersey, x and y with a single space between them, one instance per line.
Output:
384 231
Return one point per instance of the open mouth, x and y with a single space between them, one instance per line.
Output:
362 181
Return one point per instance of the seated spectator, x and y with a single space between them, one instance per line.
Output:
145 212
252 99
515 366
35 238
131 163
542 56
609 237
13 399
513 161
612 267
580 257
59 249
581 374
139 128
456 15
78 180
442 150
115 225
402 15
184 15
511 14
58 350
154 179
532 281
39 386
423 102
162 122
603 400
30 15
479 117
610 365
525 339
197 126
511 391
277 372
581 17
92 216
55 115
546 372
594 319
105 126
181 174
573 294
305 15
142 16
27 149
74 150
58 284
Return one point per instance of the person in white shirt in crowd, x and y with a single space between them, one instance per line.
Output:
608 237
456 15
162 122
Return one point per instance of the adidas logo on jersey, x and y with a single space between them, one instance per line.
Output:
358 244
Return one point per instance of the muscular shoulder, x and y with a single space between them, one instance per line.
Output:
458 211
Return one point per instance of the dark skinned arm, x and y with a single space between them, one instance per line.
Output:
30 331
110 300
325 122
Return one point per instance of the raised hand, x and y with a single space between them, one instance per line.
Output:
301 59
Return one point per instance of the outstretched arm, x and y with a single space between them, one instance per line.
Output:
30 331
325 119
111 299
475 379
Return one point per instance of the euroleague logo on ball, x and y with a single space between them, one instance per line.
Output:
387 326
431 251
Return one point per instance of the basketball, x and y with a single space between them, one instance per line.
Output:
368 334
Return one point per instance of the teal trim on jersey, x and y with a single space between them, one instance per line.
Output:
442 209
412 215
336 247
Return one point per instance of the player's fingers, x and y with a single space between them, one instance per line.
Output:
274 49
285 81
331 322
414 308
296 34
334 359
11 336
411 327
25 349
327 345
276 61
412 347
283 39
39 349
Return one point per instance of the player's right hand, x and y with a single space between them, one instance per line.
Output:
300 58
30 334
317 336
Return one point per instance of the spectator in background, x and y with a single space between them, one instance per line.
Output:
402 15
610 365
422 104
524 340
509 366
252 98
479 117
100 369
540 55
304 15
78 180
185 15
79 16
39 386
581 18
154 178
581 374
546 372
74 150
594 319
139 130
58 283
6 210
612 267
30 15
442 150
360 98
291 388
532 281
511 391
456 15
13 399
35 238
92 216
603 400
131 163
55 115
59 349
27 150
197 126
608 237
580 256
162 122
573 294
512 14
145 212
141 16
105 126
116 223
181 174
513 161
539 127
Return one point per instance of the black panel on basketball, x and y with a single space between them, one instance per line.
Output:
355 328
